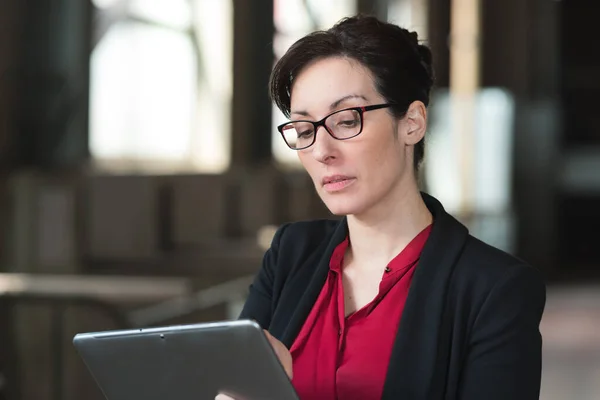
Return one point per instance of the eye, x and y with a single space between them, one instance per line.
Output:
304 134
346 119
349 123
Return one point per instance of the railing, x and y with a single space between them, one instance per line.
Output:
230 293
165 298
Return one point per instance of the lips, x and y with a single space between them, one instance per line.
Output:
335 183
335 178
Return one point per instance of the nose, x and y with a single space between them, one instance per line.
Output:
324 149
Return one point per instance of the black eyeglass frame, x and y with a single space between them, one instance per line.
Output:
317 124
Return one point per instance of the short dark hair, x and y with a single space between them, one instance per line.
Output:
401 66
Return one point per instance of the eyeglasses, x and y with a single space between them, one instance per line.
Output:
341 125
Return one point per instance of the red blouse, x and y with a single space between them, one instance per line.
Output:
339 357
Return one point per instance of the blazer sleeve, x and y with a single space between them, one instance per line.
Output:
259 303
504 359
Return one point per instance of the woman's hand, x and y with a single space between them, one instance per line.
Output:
283 354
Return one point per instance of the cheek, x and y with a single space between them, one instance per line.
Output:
383 151
383 161
305 160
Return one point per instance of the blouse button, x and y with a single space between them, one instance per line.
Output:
387 269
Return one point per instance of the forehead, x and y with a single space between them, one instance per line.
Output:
323 82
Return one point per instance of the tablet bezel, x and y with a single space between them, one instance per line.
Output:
101 350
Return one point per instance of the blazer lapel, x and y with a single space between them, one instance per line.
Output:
308 294
420 346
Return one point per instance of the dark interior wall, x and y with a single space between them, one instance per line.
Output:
439 36
9 21
52 80
580 75
520 52
252 62
506 40
543 52
577 210
8 26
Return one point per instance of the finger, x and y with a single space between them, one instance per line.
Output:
221 396
283 354
274 342
287 367
268 335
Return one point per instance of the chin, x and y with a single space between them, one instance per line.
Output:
343 205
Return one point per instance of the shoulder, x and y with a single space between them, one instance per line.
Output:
486 263
296 242
485 272
303 236
297 252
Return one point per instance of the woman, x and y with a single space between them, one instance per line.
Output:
396 300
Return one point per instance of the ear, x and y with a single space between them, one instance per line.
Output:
416 123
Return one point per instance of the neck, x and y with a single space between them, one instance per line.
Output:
380 234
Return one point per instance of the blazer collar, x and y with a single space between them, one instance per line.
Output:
311 292
416 365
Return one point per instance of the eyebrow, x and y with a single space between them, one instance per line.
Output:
335 104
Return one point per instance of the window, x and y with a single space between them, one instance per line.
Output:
161 82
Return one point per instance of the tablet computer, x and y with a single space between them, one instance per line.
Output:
186 362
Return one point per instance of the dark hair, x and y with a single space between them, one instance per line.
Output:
402 67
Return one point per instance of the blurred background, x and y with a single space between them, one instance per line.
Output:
141 176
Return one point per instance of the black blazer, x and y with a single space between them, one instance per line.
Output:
470 326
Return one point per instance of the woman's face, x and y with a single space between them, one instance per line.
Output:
355 175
